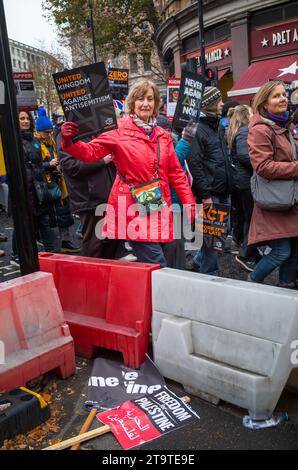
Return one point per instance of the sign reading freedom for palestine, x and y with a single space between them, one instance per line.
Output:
147 417
190 97
86 99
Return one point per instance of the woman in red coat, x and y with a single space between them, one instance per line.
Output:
142 152
271 142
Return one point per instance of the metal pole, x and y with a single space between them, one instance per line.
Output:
201 37
14 158
90 3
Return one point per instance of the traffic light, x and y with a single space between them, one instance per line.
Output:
211 75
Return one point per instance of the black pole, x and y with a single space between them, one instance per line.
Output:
90 3
14 158
201 37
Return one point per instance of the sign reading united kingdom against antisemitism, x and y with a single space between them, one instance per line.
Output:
148 417
190 97
86 99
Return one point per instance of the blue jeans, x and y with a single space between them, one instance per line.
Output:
283 254
206 259
149 252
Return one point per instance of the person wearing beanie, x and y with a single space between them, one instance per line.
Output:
210 167
43 123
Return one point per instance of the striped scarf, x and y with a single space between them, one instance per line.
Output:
148 127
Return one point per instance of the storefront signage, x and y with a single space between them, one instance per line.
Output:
281 38
220 53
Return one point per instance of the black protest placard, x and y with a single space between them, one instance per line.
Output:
214 224
111 383
118 81
86 99
190 97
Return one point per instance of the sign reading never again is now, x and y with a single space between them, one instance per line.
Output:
86 99
190 97
147 417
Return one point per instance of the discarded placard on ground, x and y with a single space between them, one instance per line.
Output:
112 383
148 417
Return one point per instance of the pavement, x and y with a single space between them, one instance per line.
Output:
219 427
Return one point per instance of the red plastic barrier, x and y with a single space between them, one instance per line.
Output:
106 303
33 331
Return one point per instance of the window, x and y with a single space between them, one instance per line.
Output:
18 52
133 62
12 50
211 35
274 15
147 61
19 63
14 63
262 18
24 65
291 10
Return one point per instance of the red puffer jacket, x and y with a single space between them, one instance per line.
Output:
135 157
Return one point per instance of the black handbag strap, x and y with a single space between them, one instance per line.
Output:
156 169
292 141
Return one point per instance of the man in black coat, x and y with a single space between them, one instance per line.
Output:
211 170
89 184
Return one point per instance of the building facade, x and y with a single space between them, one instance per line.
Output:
139 65
26 58
250 41
23 57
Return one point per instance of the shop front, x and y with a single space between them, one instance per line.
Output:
219 55
273 56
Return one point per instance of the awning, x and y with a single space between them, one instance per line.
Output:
258 73
222 72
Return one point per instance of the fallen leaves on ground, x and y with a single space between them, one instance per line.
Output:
34 438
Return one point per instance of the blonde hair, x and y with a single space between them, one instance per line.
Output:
137 91
239 116
261 97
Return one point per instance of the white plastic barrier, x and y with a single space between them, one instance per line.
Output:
225 339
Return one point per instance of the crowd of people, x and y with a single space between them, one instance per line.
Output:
150 180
